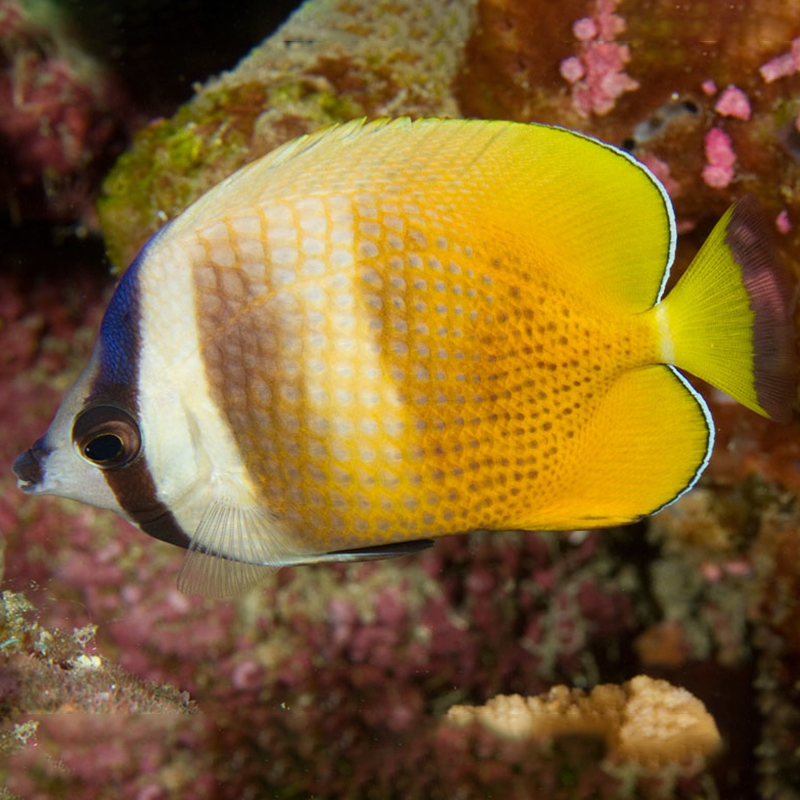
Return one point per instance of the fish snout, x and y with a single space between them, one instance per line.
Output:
29 469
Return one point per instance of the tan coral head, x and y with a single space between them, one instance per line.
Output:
643 720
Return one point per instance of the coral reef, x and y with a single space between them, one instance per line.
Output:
597 74
326 64
645 721
333 681
717 120
53 685
62 117
328 670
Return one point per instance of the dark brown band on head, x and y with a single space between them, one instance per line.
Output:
136 492
116 382
747 236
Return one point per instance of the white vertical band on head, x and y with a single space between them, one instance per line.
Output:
191 451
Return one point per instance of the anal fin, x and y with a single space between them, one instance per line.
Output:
647 444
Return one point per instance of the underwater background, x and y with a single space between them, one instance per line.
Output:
336 681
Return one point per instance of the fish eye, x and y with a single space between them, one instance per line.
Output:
106 436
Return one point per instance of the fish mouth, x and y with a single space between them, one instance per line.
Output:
27 467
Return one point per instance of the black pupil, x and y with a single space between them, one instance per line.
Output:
104 447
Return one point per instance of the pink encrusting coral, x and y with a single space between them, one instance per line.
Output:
733 102
782 65
709 87
720 156
597 74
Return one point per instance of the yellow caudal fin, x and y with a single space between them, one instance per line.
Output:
629 462
729 319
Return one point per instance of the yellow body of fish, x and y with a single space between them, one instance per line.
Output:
410 329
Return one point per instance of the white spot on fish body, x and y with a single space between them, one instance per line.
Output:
246 227
344 371
340 258
231 283
250 250
312 293
312 246
342 426
283 277
284 254
216 232
342 232
317 396
281 220
370 399
222 254
313 266
368 228
206 277
343 397
367 211
394 223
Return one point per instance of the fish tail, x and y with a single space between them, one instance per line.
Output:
729 318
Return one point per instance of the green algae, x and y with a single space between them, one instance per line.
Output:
392 58
172 162
167 166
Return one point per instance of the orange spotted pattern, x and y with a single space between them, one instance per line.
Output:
391 371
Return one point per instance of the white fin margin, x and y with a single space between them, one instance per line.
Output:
710 439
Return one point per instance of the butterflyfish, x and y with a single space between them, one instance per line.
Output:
386 332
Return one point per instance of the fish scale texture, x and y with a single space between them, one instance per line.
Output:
397 363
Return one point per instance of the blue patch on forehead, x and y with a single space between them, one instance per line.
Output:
119 331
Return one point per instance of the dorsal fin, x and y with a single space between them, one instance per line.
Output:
563 200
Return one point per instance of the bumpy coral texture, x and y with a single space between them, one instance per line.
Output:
644 720
333 61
